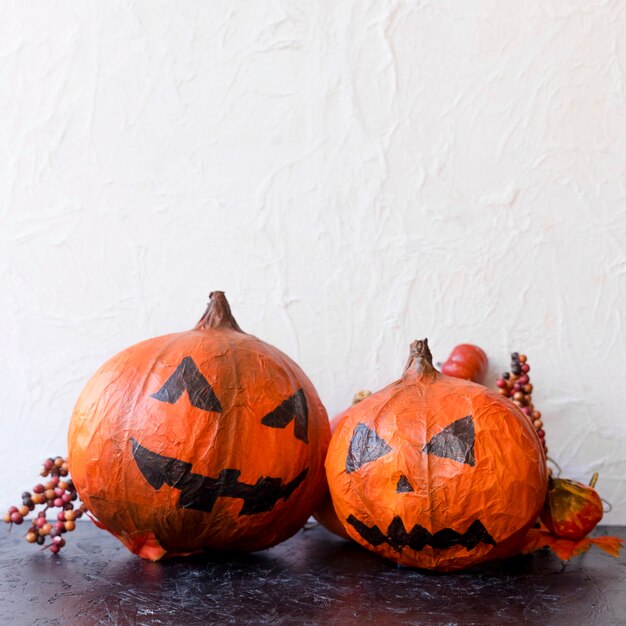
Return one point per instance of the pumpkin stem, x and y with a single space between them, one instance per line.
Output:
594 480
217 314
420 361
359 396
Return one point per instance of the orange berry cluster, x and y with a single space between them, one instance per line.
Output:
516 385
58 492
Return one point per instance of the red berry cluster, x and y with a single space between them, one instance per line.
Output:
516 385
58 492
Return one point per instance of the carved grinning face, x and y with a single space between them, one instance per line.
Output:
454 442
199 492
434 484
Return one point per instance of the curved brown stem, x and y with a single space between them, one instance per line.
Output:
420 362
594 480
217 314
558 467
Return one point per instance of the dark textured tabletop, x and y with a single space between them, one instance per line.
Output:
314 578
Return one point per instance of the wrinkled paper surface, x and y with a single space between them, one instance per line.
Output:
250 379
499 485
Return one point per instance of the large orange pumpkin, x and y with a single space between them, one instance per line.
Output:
436 472
206 439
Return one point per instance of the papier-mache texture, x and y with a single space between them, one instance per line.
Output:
202 440
436 472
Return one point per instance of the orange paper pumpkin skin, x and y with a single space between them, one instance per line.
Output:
572 510
325 513
436 472
202 440
467 361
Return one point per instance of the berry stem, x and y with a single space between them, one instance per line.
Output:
515 385
58 492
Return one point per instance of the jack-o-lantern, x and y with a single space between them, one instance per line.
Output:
436 472
206 439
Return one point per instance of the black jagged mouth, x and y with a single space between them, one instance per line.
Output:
418 537
200 493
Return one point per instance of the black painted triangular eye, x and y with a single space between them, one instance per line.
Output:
455 441
365 446
404 486
187 377
294 408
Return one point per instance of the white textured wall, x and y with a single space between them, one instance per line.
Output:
353 174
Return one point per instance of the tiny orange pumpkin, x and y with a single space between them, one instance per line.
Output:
467 361
572 510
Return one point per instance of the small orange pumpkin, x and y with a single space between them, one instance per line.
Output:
467 361
206 439
572 510
436 472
